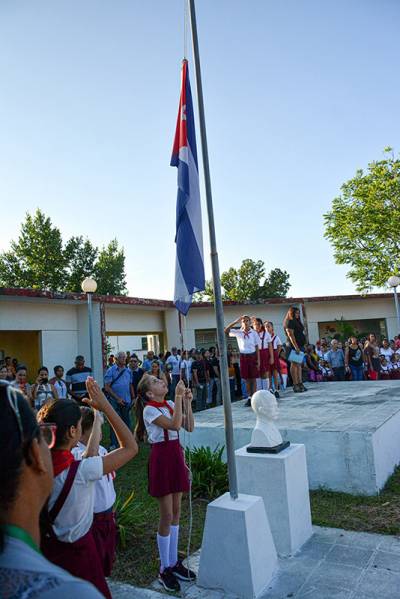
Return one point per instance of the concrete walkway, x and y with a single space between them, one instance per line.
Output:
333 564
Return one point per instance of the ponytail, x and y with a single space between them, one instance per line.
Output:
143 388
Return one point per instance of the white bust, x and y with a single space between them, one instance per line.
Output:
265 407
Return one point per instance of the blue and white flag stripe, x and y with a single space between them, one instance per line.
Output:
189 268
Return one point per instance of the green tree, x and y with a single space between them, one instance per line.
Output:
109 270
243 284
276 284
37 259
249 283
364 222
81 257
40 260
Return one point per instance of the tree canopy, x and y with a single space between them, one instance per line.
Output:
364 223
39 259
249 283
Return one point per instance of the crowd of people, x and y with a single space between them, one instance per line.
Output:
259 360
57 521
57 489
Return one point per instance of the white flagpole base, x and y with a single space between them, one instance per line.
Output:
238 554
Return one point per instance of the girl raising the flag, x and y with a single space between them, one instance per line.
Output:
162 419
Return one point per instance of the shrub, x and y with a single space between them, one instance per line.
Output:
129 515
209 472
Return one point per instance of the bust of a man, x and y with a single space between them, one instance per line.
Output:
265 433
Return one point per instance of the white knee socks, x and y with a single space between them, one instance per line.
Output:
265 384
259 383
163 549
173 545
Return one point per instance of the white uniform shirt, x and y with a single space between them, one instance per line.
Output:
265 339
61 389
276 342
175 362
155 433
104 494
186 366
388 352
247 342
76 515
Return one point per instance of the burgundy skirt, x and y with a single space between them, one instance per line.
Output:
276 365
81 559
248 366
264 361
168 472
104 532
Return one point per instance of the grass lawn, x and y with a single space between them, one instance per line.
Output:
138 562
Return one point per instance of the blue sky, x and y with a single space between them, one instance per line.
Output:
298 96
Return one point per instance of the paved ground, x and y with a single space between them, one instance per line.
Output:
333 564
324 407
336 422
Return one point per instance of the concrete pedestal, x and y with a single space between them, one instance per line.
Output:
238 554
281 480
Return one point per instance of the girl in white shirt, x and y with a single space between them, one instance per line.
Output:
276 347
104 527
168 473
68 540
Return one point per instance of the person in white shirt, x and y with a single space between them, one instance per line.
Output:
25 486
386 350
58 382
186 368
249 347
174 361
276 348
160 420
104 527
266 353
68 541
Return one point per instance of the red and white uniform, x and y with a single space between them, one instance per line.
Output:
167 469
104 527
276 342
265 340
248 341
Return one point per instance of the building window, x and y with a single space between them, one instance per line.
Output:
360 328
206 338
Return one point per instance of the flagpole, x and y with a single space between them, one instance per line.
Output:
218 305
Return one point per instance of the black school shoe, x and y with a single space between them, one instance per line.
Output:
248 403
183 573
168 580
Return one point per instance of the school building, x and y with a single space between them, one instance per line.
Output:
41 327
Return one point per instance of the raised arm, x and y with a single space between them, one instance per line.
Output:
92 448
231 325
174 423
128 446
188 419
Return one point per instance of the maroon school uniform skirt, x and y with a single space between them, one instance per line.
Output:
276 365
248 366
104 532
264 362
81 559
168 472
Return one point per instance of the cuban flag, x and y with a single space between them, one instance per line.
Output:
189 268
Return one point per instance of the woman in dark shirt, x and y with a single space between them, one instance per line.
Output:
354 359
294 330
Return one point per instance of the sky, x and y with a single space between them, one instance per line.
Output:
298 96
